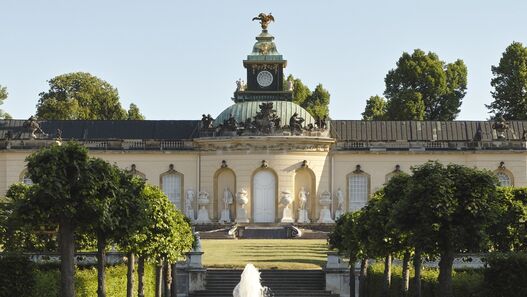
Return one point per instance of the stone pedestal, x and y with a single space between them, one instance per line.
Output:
241 211
303 217
338 213
337 276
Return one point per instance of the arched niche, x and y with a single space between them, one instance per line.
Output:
505 177
171 183
224 178
133 171
305 177
264 195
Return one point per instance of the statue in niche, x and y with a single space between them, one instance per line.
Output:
302 206
295 124
206 121
189 210
226 210
340 204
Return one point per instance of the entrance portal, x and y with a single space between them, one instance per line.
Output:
264 197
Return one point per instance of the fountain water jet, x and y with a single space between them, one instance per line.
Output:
249 285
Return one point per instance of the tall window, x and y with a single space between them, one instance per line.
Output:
172 186
504 179
358 189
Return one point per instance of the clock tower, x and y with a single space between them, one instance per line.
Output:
265 69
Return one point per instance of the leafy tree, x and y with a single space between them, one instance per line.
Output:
113 209
3 96
18 235
317 104
345 239
80 96
448 210
509 231
375 109
165 235
300 91
407 105
510 84
134 113
440 86
57 197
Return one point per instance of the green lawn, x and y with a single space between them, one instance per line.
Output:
265 253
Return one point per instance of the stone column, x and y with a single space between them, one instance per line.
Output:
337 276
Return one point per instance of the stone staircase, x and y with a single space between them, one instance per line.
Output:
283 283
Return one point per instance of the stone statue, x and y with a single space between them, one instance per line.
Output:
501 127
203 212
229 124
264 19
240 85
295 124
241 211
34 127
266 120
302 205
226 210
287 213
340 204
290 85
189 210
206 121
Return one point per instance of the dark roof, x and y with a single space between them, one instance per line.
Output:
383 131
342 130
108 129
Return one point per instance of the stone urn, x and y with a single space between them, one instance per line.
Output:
325 212
203 212
241 211
287 214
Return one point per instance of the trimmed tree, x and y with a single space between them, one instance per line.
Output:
60 189
165 235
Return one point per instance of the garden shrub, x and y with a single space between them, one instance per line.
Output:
17 276
506 275
466 283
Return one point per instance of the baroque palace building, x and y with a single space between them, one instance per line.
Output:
265 159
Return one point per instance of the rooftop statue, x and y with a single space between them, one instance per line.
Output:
264 19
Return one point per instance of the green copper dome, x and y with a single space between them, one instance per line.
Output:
244 110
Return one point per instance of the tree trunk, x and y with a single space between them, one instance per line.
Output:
101 265
159 280
141 277
445 274
67 255
167 279
385 292
352 276
173 287
417 271
405 274
363 278
130 275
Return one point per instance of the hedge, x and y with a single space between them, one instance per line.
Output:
17 276
20 277
466 283
506 275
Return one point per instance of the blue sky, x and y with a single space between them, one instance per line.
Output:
179 59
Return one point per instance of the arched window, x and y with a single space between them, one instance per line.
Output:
133 171
172 185
24 178
504 179
358 189
396 171
504 175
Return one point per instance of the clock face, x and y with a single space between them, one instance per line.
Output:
264 78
